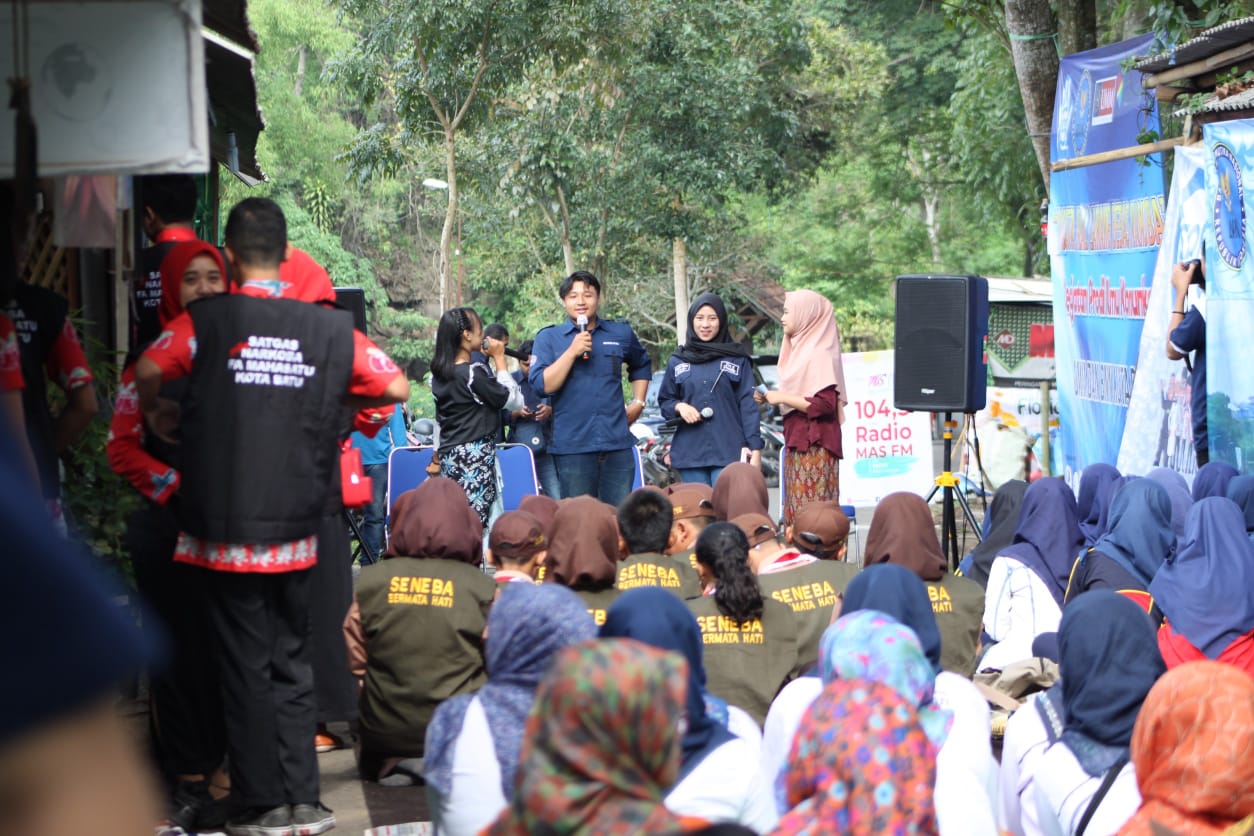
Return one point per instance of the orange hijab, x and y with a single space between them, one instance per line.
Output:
809 360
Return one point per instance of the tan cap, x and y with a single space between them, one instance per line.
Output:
687 503
517 535
820 527
757 527
701 488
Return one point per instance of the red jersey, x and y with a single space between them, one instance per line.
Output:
127 456
10 357
1177 650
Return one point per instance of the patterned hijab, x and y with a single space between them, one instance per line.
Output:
809 360
1138 534
1205 589
903 532
1108 652
740 489
602 744
1212 479
860 764
1193 750
527 626
871 646
1048 537
435 520
1094 480
583 546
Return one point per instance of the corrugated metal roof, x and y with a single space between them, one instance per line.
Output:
1208 43
1239 101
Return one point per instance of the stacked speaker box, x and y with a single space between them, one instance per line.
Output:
939 363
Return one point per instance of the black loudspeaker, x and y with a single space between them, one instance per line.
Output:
939 364
353 300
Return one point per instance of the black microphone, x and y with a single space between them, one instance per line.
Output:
582 322
677 422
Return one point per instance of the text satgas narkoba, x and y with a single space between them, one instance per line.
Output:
270 361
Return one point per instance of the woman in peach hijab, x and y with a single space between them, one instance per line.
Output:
812 397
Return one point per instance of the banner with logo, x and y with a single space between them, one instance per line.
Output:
1159 428
886 450
1105 224
1009 429
1229 305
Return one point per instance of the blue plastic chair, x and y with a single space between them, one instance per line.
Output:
407 469
518 474
637 481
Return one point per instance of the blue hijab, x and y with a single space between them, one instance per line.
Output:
1048 536
1178 490
896 591
1205 591
1139 536
1212 479
1108 655
1241 491
656 617
527 626
1093 483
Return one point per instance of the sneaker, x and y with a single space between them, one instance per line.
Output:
311 819
327 742
194 809
276 821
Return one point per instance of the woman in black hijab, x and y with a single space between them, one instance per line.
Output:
708 384
999 530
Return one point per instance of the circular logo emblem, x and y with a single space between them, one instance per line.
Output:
1229 207
1081 113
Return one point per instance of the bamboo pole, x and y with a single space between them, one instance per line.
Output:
1117 154
1219 59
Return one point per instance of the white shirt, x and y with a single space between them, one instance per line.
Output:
1018 607
475 798
966 773
1063 791
1025 742
726 787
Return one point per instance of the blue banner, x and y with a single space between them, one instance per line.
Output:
1229 302
1105 225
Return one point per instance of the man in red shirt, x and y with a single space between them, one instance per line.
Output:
271 380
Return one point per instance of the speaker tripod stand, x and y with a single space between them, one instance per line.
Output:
947 482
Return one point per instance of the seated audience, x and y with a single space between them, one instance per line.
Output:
543 508
1212 479
810 587
474 740
820 530
583 552
903 533
691 512
1178 490
1241 491
861 764
415 629
1109 662
1035 726
717 779
740 489
999 531
1191 748
1205 593
516 547
1091 507
750 640
1137 541
601 744
1028 578
644 528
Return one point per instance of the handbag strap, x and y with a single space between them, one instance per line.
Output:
1108 781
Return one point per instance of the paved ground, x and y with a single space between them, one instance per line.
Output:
360 806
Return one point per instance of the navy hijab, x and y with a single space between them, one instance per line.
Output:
1094 481
897 592
1109 658
1205 591
1178 490
1212 479
1048 538
1241 491
527 626
1139 536
656 617
999 528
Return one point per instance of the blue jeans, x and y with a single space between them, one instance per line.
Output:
376 512
704 475
546 472
606 476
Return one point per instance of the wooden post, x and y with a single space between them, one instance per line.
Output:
1046 466
679 263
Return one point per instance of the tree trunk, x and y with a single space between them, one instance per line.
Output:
302 57
930 202
1077 25
1030 24
679 263
450 216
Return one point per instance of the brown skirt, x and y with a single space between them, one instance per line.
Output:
811 475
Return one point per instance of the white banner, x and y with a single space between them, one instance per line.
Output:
1008 427
886 450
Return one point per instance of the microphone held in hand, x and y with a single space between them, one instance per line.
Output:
677 422
582 322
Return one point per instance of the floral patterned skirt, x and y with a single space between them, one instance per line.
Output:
811 475
473 466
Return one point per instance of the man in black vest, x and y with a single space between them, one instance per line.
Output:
268 381
169 217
